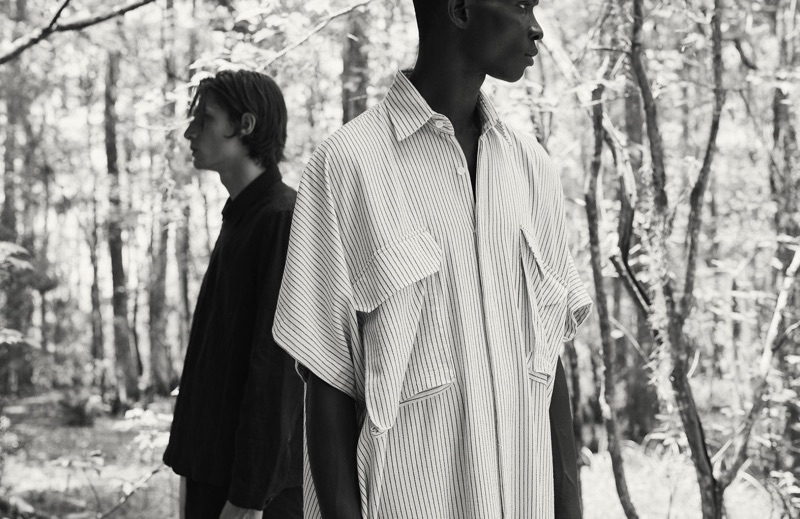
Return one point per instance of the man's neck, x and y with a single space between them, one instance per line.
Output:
238 178
447 86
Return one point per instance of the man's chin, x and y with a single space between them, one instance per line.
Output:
509 76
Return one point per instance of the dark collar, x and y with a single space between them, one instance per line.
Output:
255 191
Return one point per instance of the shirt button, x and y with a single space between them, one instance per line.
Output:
461 170
439 124
375 430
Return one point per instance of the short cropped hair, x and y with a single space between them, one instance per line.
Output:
244 91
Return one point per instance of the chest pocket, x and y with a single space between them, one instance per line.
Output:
398 295
543 305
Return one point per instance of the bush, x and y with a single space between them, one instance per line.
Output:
81 407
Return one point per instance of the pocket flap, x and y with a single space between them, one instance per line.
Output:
544 283
544 309
395 267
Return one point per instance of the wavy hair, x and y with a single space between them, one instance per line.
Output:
244 91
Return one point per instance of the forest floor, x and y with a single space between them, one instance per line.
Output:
81 472
113 469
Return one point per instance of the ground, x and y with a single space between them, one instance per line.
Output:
82 472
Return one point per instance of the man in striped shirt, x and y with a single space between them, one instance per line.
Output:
428 288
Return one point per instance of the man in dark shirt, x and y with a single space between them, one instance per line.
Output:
236 437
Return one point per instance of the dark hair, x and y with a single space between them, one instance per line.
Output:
244 91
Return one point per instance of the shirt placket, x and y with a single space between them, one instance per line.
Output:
485 257
477 209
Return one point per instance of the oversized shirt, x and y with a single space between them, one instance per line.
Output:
442 313
237 421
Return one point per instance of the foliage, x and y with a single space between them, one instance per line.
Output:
81 406
12 258
8 443
62 205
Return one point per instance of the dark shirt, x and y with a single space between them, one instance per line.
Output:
238 416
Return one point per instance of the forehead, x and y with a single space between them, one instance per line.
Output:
208 102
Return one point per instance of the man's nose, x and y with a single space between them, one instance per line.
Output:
535 31
189 133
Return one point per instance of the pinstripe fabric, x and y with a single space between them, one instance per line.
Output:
440 313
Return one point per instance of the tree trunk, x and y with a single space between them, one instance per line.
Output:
8 214
601 302
642 403
672 311
161 377
183 248
572 373
125 360
97 348
355 73
18 305
785 185
98 338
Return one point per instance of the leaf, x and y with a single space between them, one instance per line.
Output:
8 248
18 264
250 14
8 336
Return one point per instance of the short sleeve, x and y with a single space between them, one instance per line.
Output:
579 304
315 320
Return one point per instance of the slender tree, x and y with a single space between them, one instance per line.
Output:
161 370
668 310
183 248
125 359
355 73
642 398
17 308
608 345
785 184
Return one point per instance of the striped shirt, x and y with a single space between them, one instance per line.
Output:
441 312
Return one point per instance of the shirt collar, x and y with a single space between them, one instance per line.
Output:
255 191
409 111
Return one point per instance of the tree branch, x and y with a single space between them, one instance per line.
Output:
55 18
668 323
127 495
650 109
608 346
321 25
634 288
761 386
17 507
746 61
699 190
616 143
23 43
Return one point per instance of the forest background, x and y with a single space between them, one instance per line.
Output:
672 123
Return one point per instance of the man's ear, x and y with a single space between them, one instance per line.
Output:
248 124
457 13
